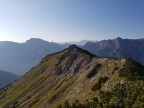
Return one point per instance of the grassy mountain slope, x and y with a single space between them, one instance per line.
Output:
72 74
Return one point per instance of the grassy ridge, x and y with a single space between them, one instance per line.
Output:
73 75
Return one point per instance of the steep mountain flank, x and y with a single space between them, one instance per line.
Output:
121 48
71 75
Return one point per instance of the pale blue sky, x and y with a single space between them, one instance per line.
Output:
71 20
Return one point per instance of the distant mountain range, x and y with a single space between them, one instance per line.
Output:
6 78
83 42
119 48
18 58
75 78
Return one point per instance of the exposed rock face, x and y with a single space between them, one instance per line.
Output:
76 58
120 48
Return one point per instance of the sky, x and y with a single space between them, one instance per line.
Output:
71 20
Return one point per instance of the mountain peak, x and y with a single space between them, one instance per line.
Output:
73 46
118 38
35 40
73 49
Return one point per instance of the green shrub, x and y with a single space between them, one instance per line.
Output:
97 86
93 71
132 70
15 104
103 79
129 95
53 98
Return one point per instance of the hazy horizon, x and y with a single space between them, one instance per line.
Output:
63 42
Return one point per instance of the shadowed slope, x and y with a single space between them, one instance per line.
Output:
6 78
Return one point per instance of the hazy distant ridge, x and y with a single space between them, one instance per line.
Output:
20 57
6 78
